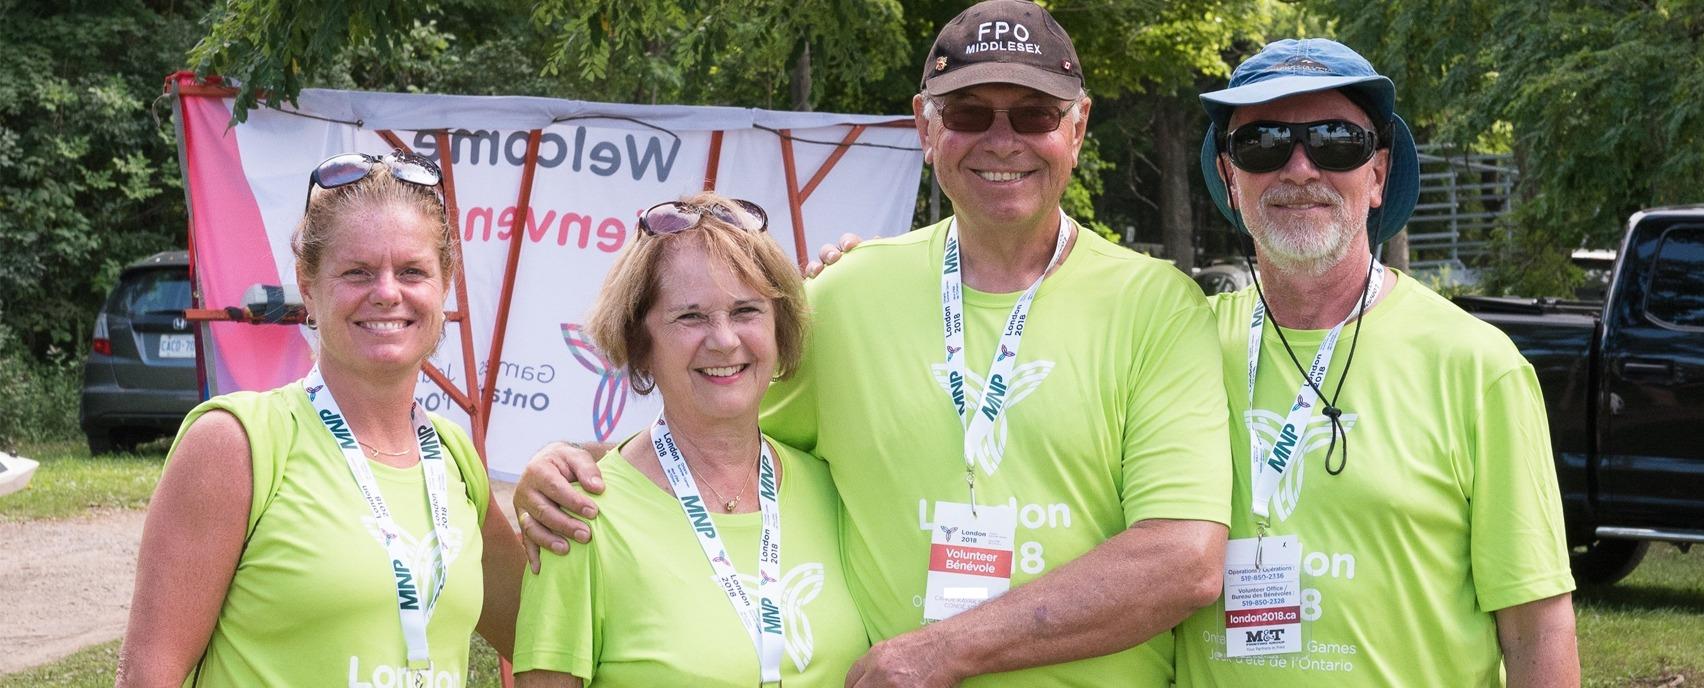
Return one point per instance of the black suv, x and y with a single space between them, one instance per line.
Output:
139 380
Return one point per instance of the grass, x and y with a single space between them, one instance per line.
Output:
91 667
95 667
1642 632
71 483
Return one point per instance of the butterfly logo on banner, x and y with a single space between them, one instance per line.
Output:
610 398
799 587
1025 379
1267 424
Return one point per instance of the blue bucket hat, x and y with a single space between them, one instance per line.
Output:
1290 67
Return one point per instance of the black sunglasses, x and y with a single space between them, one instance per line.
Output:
1333 145
347 168
670 217
1025 119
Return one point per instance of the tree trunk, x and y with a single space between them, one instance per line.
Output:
1396 251
1171 150
801 86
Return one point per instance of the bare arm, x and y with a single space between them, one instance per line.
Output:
1129 589
191 543
1538 643
502 564
540 678
548 505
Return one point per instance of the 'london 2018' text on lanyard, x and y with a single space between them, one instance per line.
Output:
416 612
1270 465
979 419
762 620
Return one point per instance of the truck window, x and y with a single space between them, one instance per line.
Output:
1676 296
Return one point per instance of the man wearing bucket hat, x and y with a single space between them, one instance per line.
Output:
1433 553
1084 470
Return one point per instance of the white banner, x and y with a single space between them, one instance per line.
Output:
598 165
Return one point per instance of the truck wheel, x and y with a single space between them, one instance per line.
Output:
126 440
100 441
1603 562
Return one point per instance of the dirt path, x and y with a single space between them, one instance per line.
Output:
65 585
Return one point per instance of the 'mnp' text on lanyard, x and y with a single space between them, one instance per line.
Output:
415 612
1270 465
762 620
980 420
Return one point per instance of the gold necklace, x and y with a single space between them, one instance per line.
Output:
376 452
728 505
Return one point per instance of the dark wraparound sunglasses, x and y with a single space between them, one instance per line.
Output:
348 168
1332 145
670 217
1025 119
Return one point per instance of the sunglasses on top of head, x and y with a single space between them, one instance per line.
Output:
1025 119
348 168
672 217
1333 145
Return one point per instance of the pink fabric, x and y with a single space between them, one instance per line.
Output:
232 253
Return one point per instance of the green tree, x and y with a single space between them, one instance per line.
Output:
88 177
643 51
1147 64
1601 101
757 52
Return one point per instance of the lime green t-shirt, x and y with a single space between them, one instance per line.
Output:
313 600
640 606
1115 414
1446 510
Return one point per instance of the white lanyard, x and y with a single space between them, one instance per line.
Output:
980 422
415 615
762 620
1270 466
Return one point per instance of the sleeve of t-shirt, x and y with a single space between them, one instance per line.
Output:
468 465
266 420
1518 545
789 412
560 624
1177 446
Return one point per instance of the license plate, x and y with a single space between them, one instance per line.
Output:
177 346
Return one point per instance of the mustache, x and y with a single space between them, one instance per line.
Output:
1289 194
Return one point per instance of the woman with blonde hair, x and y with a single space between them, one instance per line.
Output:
687 580
330 531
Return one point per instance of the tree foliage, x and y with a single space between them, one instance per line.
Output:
88 177
269 44
1146 64
721 51
1601 102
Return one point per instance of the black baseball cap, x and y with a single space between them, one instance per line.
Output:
1003 42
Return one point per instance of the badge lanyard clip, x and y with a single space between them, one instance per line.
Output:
1259 538
970 481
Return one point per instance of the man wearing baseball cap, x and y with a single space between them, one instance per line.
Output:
1025 422
1395 514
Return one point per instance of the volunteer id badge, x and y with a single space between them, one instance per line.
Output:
1263 612
970 557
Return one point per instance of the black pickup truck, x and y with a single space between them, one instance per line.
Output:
1624 384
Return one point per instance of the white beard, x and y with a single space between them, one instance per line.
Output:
1300 247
